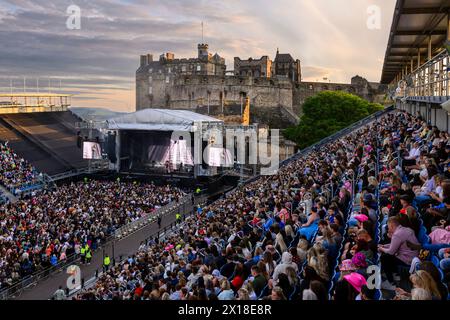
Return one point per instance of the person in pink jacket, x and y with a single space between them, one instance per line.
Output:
397 253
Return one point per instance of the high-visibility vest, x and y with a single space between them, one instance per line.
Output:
178 216
198 190
106 261
82 251
88 253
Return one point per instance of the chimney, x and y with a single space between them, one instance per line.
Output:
149 58
143 60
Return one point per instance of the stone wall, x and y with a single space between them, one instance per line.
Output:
188 92
225 94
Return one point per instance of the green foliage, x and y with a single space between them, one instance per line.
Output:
327 113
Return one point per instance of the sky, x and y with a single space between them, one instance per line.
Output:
98 61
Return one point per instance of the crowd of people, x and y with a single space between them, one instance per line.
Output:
47 227
16 173
313 230
276 238
414 202
365 217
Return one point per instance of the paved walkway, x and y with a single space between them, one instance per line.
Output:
124 247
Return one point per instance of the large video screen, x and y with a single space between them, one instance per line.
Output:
92 151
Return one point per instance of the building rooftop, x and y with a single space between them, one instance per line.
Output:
415 23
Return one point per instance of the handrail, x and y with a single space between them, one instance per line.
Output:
429 80
150 217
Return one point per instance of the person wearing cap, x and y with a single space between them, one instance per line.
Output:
356 280
346 267
349 287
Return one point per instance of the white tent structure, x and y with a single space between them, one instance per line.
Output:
159 120
159 150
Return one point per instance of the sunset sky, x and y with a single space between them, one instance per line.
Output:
98 62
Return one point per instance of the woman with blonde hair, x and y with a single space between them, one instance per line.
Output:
279 243
251 292
372 181
227 293
420 294
243 294
423 280
318 260
292 276
289 232
302 249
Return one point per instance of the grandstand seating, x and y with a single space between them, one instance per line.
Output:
47 140
258 218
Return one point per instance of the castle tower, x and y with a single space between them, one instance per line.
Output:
203 51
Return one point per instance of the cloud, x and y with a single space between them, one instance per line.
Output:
99 61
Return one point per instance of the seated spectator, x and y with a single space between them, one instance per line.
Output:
397 253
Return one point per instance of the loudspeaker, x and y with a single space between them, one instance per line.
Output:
111 147
79 141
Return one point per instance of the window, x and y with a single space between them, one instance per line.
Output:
183 68
150 79
167 79
199 67
150 90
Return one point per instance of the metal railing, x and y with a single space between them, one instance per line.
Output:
31 280
160 234
429 80
97 166
136 225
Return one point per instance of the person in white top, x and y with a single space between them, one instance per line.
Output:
414 153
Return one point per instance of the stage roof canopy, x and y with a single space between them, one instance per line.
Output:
159 120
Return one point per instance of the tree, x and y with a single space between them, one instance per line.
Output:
326 113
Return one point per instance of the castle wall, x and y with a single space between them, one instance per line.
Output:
189 92
200 84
